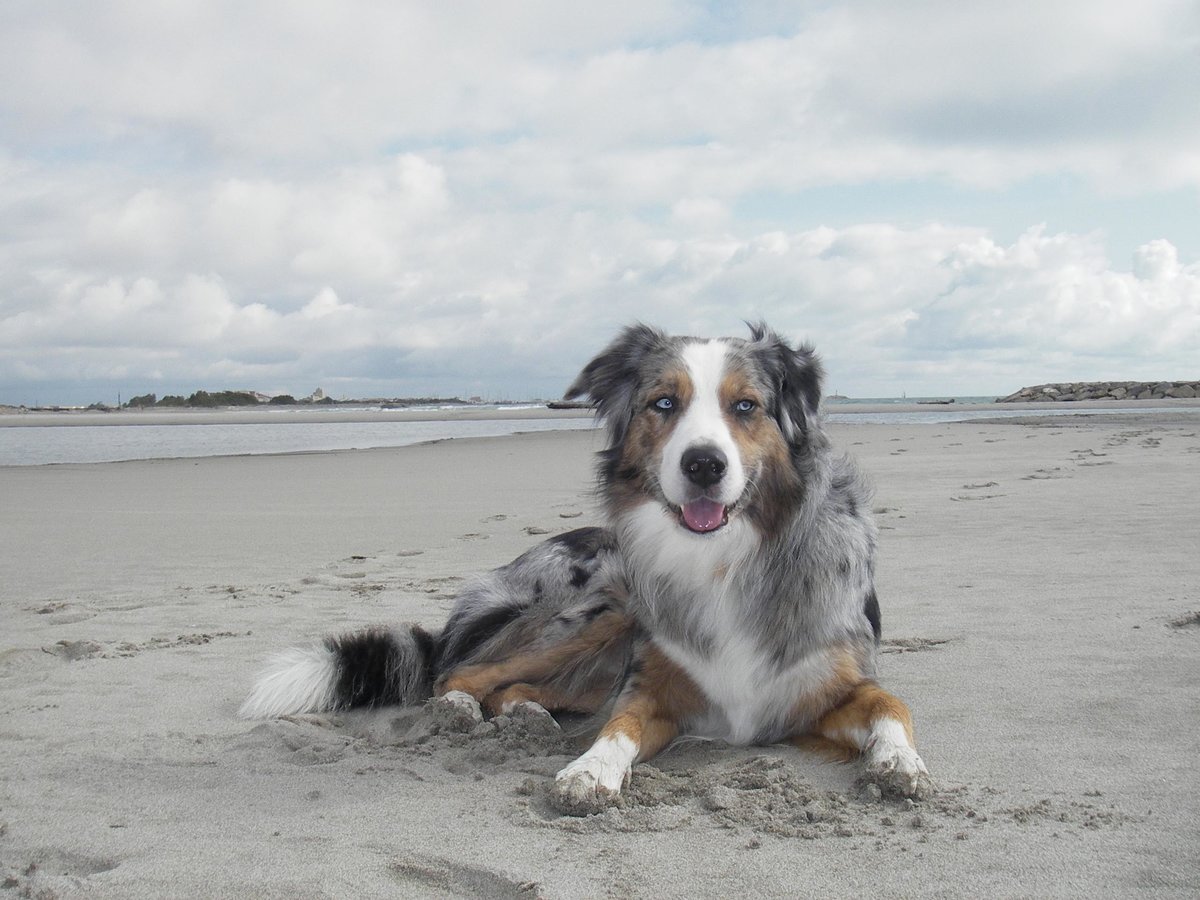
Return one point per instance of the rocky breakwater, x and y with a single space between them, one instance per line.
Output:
1106 390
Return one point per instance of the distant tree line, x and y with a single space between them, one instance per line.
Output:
199 398
208 399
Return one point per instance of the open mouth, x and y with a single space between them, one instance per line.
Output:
703 515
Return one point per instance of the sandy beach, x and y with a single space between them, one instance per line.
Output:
1040 585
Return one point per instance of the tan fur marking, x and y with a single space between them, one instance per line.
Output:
866 704
483 679
825 748
845 676
650 715
763 451
547 696
648 434
735 386
672 383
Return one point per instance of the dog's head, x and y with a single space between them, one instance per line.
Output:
707 428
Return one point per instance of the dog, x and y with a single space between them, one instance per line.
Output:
730 597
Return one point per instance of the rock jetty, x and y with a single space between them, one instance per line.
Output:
1106 390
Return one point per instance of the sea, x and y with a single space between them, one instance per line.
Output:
66 443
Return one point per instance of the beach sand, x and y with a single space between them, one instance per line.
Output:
1040 585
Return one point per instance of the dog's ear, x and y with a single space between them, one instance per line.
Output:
610 381
797 375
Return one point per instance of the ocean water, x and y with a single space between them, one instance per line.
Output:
967 409
69 443
907 401
45 445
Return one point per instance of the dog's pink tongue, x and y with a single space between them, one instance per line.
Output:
703 514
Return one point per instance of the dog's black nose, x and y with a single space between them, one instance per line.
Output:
703 466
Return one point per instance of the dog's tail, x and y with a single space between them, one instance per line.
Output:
375 667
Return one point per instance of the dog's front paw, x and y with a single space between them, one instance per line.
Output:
898 770
533 719
594 781
455 711
579 790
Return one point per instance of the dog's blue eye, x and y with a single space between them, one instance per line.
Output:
744 406
664 403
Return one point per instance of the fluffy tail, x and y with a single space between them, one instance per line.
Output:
376 667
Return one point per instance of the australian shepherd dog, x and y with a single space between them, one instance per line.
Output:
730 597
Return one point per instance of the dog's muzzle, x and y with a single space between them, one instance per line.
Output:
704 466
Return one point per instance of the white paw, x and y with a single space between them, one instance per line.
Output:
898 769
455 711
516 708
461 699
594 781
534 717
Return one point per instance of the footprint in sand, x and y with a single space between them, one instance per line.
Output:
1088 457
499 517
62 612
1046 474
443 586
453 879
72 651
883 511
978 487
51 872
299 740
474 536
1187 620
911 645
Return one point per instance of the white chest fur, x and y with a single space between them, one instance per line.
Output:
750 698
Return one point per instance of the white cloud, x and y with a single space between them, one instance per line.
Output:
857 90
879 301
480 194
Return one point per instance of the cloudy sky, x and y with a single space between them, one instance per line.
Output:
391 199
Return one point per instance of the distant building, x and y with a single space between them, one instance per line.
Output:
316 396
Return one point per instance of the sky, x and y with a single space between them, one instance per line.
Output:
412 199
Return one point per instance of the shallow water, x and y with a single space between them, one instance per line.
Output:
43 445
69 442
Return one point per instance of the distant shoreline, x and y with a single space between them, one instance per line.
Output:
11 417
1075 391
276 415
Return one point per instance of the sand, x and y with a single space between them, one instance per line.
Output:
1040 585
